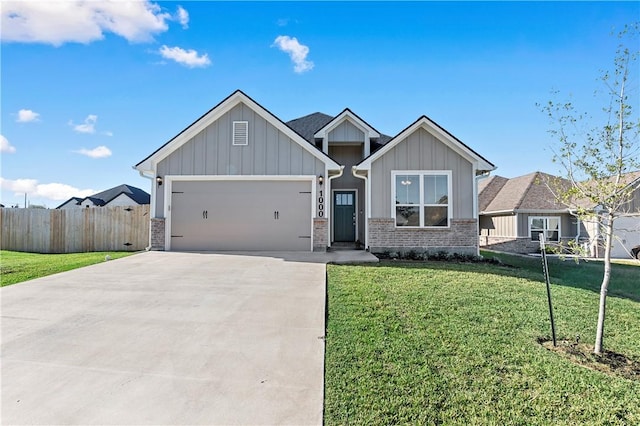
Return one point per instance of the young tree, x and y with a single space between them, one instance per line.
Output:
601 162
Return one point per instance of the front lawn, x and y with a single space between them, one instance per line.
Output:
16 266
429 343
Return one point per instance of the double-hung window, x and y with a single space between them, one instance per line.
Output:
421 199
547 225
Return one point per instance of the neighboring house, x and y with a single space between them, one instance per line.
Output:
239 178
626 227
121 195
514 212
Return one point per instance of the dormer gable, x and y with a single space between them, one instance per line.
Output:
347 127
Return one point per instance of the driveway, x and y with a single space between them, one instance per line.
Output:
167 338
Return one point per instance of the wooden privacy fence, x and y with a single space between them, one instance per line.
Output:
75 230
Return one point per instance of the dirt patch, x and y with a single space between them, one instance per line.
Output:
608 362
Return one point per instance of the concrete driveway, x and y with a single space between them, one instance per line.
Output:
167 338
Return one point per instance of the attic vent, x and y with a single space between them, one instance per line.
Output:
240 132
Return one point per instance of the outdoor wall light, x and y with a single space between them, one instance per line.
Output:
320 180
159 180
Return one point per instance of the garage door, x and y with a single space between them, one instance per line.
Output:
627 232
241 215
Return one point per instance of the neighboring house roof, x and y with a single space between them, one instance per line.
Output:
530 192
148 164
138 195
488 189
438 131
72 200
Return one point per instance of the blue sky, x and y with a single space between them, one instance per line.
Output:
89 89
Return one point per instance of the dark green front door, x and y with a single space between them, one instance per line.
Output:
344 216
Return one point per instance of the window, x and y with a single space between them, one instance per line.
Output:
240 132
549 225
421 199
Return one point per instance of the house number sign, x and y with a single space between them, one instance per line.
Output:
321 204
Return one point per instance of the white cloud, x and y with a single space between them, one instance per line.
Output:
97 152
188 58
182 16
52 191
26 116
89 125
59 22
5 146
297 52
108 133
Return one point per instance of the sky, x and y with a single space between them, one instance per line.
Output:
90 88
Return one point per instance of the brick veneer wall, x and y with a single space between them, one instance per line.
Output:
320 230
461 237
157 233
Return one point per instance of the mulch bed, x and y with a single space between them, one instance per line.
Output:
608 362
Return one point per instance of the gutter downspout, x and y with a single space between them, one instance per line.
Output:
152 207
367 203
476 213
330 197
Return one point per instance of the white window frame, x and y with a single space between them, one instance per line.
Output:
233 134
422 205
545 228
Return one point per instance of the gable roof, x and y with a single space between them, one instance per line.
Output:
488 189
237 97
439 132
101 198
347 114
308 125
529 193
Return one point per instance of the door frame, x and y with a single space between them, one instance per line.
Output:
333 191
169 179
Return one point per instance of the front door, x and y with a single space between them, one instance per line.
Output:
344 216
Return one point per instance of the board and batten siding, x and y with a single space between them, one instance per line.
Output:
422 151
350 155
210 152
498 226
346 132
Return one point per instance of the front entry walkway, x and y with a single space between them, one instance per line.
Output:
169 338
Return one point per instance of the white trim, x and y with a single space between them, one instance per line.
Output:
355 191
367 204
330 207
428 125
227 105
169 179
422 174
546 229
346 115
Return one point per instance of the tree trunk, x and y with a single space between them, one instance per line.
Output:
605 282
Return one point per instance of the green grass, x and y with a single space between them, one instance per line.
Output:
625 275
17 267
454 343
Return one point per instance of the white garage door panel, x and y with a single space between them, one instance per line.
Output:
627 232
241 215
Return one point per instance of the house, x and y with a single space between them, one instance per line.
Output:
239 178
514 212
121 195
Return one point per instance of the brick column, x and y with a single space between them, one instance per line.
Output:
157 233
320 227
